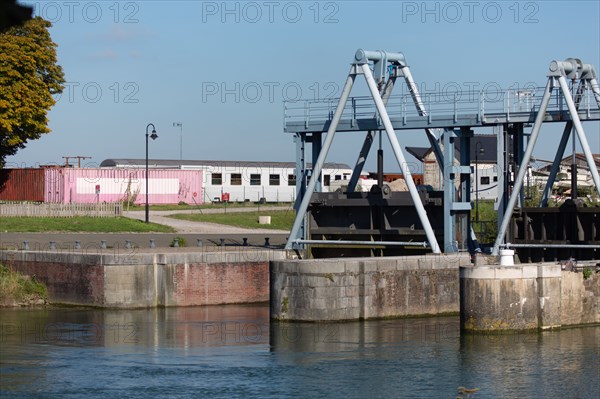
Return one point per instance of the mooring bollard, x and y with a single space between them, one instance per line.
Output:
103 244
152 244
245 243
222 241
128 244
52 245
176 242
25 245
199 242
267 242
77 244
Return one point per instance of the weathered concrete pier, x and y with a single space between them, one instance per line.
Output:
526 297
365 288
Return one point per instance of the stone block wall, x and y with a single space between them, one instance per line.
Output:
364 288
526 297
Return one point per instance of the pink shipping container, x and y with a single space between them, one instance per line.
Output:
165 186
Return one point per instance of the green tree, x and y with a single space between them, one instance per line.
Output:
29 77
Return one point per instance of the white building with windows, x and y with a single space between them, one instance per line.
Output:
239 181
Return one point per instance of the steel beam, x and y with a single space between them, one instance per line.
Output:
559 246
561 149
414 92
465 190
366 243
580 133
450 244
366 148
502 184
539 120
595 89
400 158
318 166
438 121
562 145
364 56
300 139
316 145
360 162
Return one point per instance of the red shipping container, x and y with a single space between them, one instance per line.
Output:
22 185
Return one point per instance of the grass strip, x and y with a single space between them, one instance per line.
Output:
207 205
280 220
79 224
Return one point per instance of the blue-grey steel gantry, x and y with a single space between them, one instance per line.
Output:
507 112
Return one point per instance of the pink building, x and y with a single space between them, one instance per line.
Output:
165 186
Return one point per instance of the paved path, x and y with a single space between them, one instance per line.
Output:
190 227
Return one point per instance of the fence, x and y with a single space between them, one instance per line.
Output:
38 209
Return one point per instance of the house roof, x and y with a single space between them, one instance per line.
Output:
580 160
484 146
418 152
172 163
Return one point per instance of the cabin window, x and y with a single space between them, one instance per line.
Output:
291 180
217 179
255 179
327 180
484 180
338 177
495 179
236 179
273 180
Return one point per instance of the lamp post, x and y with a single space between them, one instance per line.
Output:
180 126
153 136
478 150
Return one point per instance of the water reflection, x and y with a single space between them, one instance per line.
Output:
158 328
562 363
229 351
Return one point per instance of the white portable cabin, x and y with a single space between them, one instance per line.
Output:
239 181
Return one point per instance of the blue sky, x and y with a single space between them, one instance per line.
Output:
130 63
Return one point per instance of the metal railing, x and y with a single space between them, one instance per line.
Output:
480 103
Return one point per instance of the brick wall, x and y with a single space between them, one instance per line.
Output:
212 284
148 280
66 282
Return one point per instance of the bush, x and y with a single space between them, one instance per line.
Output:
14 287
181 241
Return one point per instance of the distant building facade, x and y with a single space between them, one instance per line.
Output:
483 154
240 181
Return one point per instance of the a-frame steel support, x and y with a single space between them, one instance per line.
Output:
361 66
559 70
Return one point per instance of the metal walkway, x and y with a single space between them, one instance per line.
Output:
465 109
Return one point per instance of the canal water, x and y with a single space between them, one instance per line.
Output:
235 352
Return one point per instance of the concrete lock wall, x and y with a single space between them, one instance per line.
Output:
365 288
526 297
151 279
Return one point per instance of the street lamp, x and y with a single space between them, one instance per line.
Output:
478 150
180 126
154 137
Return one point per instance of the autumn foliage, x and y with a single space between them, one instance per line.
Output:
29 77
